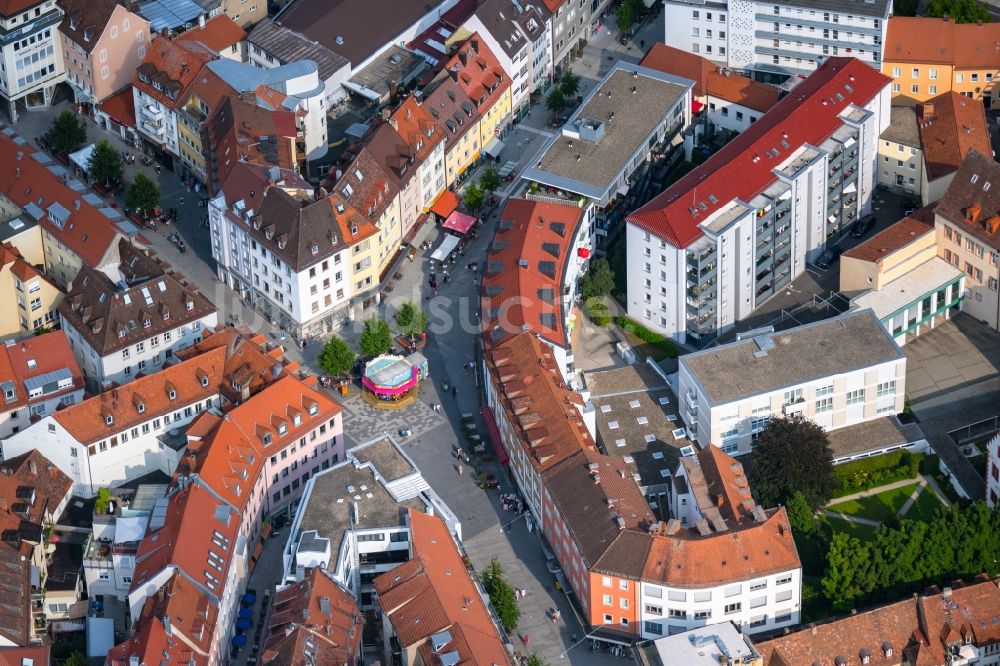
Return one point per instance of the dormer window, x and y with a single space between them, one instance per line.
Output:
140 407
282 428
189 305
166 315
420 145
314 249
171 394
236 385
121 332
313 409
266 438
143 78
268 234
204 381
158 85
109 419
297 420
146 323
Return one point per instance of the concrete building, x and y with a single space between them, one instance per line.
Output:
722 643
929 56
772 40
908 287
728 100
353 519
900 153
631 113
26 291
837 372
103 43
131 318
966 222
993 471
37 375
572 23
733 232
32 53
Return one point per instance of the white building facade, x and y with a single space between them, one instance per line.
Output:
32 55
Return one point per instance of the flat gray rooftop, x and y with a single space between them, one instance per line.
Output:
589 168
386 458
873 435
741 369
395 66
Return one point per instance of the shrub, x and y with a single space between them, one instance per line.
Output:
646 335
598 312
877 471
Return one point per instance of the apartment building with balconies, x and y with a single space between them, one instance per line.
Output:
837 372
732 233
773 40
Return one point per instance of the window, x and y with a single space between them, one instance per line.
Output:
895 88
896 72
784 580
915 88
933 91
824 405
915 73
793 396
703 615
606 580
733 608
886 389
856 397
824 391
607 600
678 614
623 603
654 627
623 584
654 610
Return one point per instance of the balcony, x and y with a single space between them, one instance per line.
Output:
152 111
796 407
690 418
691 400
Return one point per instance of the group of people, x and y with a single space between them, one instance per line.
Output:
511 502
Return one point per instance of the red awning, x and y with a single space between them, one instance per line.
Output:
459 222
583 253
445 204
494 433
120 107
696 106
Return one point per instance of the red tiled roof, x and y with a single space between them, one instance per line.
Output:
17 656
916 40
121 107
19 266
478 72
152 644
46 353
743 168
950 126
416 127
452 110
433 592
518 297
895 237
174 66
12 7
87 233
219 33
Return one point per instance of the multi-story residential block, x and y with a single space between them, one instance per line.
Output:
519 36
70 231
722 240
26 291
900 153
729 100
908 287
158 86
352 521
131 318
458 120
244 13
103 43
522 371
993 471
418 130
127 432
37 375
36 493
539 251
629 114
312 621
572 24
953 625
837 372
32 53
462 627
929 56
721 643
299 262
772 40
966 221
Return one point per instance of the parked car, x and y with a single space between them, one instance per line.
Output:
830 255
909 206
863 226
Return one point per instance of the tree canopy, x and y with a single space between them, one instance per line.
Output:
105 164
625 17
376 338
336 357
501 595
599 279
67 132
143 195
569 84
556 101
962 11
489 181
473 198
410 319
792 454
800 516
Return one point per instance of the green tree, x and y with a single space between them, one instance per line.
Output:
105 164
143 195
336 357
569 84
376 338
598 312
556 101
490 181
76 659
800 515
501 595
904 7
67 132
410 319
625 17
962 11
473 198
845 562
792 454
103 498
534 660
599 279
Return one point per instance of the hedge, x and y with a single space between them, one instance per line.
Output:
877 471
598 312
646 335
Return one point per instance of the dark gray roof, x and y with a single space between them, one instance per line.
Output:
741 369
872 436
903 127
289 46
973 184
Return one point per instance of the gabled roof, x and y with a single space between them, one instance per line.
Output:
416 127
452 109
11 259
189 382
26 179
173 66
86 20
220 33
189 610
152 643
950 126
921 40
527 261
743 168
896 237
12 7
475 68
543 411
313 622
291 46
36 362
145 298
433 597
972 202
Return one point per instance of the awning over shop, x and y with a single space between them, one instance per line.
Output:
418 234
696 106
494 433
81 158
445 204
494 147
459 222
446 247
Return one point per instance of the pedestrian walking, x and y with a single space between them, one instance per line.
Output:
454 391
182 201
460 469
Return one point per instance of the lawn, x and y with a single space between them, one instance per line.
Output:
876 507
862 532
925 507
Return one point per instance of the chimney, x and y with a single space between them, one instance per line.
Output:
926 110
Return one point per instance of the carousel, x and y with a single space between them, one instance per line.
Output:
391 382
